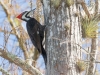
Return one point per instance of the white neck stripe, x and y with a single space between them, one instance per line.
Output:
24 17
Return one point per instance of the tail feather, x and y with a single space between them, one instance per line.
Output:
44 55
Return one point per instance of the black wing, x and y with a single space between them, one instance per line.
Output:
33 31
36 33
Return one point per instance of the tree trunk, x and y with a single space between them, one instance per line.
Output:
63 37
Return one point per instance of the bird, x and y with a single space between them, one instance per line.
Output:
35 31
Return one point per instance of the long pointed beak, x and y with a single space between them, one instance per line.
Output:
32 10
19 16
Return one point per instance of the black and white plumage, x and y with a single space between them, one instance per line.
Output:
35 31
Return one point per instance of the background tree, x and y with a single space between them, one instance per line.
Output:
63 36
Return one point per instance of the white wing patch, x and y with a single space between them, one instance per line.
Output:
37 32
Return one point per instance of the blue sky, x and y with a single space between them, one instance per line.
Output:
12 39
23 7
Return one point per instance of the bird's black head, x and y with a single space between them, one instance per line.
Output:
23 16
26 15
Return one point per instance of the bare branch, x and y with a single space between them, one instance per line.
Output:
20 36
5 31
84 7
3 71
14 59
96 7
90 61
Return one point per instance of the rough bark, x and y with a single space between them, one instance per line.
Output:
93 53
62 45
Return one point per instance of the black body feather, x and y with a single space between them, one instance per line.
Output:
36 33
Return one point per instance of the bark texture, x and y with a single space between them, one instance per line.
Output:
63 37
93 54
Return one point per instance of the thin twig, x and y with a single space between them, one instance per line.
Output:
4 72
83 4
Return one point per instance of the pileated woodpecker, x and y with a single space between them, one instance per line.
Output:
35 31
